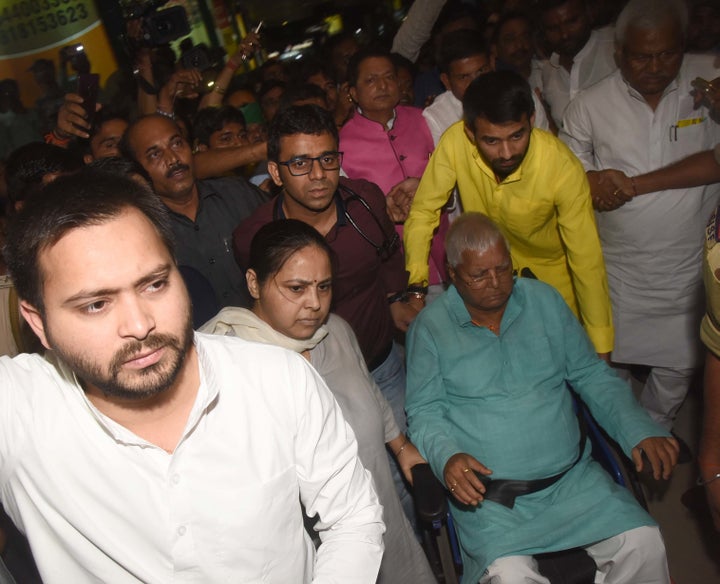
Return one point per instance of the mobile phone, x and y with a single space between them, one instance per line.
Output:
88 87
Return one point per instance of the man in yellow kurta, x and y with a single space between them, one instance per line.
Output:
528 182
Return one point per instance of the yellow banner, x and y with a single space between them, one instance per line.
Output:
31 25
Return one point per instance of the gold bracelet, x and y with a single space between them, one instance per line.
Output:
400 450
419 295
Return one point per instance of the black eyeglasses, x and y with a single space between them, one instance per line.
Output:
303 164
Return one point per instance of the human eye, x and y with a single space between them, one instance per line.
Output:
299 163
153 154
329 159
490 141
325 286
157 285
518 135
94 307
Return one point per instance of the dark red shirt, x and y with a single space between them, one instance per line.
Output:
362 275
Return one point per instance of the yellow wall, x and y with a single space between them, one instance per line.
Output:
38 29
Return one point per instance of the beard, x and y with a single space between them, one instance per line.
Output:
135 385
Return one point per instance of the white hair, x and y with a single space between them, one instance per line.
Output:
472 232
649 14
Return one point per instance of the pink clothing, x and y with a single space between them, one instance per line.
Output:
389 157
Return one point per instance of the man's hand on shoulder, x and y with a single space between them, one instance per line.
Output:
661 452
461 480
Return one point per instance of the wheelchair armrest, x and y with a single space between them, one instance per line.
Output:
429 493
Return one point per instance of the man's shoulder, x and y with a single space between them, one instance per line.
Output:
248 227
549 149
231 186
215 349
409 112
369 191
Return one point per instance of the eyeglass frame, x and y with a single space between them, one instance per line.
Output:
312 160
481 282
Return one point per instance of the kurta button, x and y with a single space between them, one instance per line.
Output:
176 479
212 260
181 530
197 227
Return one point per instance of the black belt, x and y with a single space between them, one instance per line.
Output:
505 491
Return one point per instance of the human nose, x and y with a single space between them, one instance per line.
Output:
505 151
493 282
654 63
136 319
316 170
312 298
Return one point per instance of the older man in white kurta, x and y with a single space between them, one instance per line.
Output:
639 119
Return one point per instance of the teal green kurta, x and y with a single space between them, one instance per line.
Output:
504 400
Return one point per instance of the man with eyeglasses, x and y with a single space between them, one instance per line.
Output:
646 116
489 365
369 278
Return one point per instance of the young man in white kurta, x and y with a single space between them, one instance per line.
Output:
652 244
137 452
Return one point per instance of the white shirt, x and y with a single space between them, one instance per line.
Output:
653 244
447 109
100 504
593 62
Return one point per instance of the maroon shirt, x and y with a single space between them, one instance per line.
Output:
362 277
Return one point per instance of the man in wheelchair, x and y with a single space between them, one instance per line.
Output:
488 404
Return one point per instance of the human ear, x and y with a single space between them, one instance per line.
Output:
252 284
274 172
35 320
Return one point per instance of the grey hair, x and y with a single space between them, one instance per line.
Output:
649 14
473 232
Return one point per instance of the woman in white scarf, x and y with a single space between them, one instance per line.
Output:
290 279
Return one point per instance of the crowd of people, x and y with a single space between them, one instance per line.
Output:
245 304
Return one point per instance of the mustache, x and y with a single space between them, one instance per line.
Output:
175 167
134 348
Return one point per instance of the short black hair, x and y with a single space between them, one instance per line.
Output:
268 86
212 119
509 17
306 91
306 68
299 119
462 44
88 197
119 166
106 114
544 6
499 97
27 165
353 68
276 242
